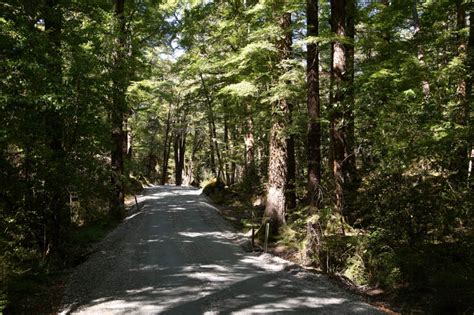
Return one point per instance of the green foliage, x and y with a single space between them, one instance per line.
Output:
211 71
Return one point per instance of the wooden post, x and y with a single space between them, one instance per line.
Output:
267 231
253 237
136 202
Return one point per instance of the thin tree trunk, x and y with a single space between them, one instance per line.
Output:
212 158
179 151
338 100
291 167
212 134
351 180
152 158
232 153
227 150
166 150
250 167
461 113
278 155
220 163
470 97
196 145
314 108
420 51
58 217
290 141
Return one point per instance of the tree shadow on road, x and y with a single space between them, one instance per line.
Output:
176 256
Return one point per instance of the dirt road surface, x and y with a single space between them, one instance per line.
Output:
177 255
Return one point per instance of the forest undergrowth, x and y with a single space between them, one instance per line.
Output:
408 277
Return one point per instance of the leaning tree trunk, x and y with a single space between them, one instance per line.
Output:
278 156
118 113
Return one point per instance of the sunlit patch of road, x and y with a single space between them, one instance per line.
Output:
176 255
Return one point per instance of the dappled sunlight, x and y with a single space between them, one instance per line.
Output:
201 234
178 257
290 304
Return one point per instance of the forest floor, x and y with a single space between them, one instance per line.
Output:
241 212
177 255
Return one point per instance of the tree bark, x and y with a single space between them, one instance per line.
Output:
275 209
189 169
118 113
314 108
470 96
220 163
233 165
249 140
350 170
179 151
291 168
461 113
57 219
290 141
227 151
425 85
341 102
214 146
166 150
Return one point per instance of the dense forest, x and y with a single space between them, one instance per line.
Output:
350 121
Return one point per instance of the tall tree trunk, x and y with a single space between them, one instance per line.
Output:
179 150
227 151
166 150
341 102
461 113
313 228
152 157
58 218
291 167
212 134
249 140
278 156
220 162
196 145
212 154
470 97
290 141
425 85
351 180
118 113
233 165
314 108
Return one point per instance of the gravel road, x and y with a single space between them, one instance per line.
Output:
178 256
